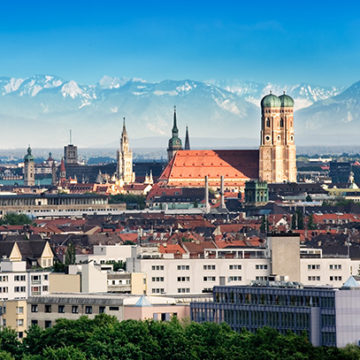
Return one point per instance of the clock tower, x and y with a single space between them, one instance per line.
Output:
174 142
277 146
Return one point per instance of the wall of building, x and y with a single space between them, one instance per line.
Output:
285 256
15 316
156 312
347 317
63 283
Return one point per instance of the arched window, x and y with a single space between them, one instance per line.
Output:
268 122
282 123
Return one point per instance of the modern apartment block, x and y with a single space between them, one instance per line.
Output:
45 310
329 316
174 274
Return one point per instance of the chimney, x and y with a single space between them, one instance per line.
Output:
222 195
207 205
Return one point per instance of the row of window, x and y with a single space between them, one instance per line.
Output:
183 278
20 289
331 267
157 278
209 267
74 309
19 277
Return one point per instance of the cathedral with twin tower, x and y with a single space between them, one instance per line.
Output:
273 162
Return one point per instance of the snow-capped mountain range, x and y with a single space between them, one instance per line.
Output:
41 109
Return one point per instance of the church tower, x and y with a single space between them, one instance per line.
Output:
277 146
124 169
29 168
174 142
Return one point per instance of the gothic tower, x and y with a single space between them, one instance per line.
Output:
29 169
124 169
187 140
174 142
277 146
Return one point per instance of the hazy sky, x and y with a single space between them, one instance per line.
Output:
279 41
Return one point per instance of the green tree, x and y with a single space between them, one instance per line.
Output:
63 353
70 255
300 219
15 219
310 223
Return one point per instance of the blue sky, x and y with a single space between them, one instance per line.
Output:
278 41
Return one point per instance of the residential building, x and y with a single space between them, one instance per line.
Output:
45 310
13 314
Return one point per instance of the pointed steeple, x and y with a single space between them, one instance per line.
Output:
187 140
124 132
175 130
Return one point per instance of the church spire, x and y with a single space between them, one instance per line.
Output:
175 130
187 140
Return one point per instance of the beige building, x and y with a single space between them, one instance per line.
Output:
277 161
14 316
45 310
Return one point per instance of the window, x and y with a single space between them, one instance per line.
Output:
48 308
34 322
261 278
157 278
209 267
183 290
20 334
157 267
114 308
101 309
267 122
19 278
88 309
34 308
209 278
158 291
45 277
261 267
19 322
335 266
183 267
183 278
19 309
281 123
313 267
234 278
61 309
335 278
4 278
75 309
235 267
47 324
313 278
19 289
45 288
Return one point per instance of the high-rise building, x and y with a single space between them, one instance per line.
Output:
29 168
277 146
124 159
174 142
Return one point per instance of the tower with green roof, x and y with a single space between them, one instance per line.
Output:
175 143
277 155
29 168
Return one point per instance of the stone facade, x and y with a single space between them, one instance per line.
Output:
29 169
124 156
277 146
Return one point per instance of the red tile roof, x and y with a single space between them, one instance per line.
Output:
171 249
189 167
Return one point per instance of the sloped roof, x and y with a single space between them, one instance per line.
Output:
351 283
189 167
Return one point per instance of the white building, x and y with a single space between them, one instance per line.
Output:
173 275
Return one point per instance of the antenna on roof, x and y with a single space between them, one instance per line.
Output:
270 92
70 137
284 92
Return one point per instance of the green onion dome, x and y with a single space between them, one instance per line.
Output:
270 101
286 100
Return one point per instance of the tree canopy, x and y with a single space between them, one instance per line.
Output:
104 337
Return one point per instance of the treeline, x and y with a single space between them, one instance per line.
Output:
106 338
